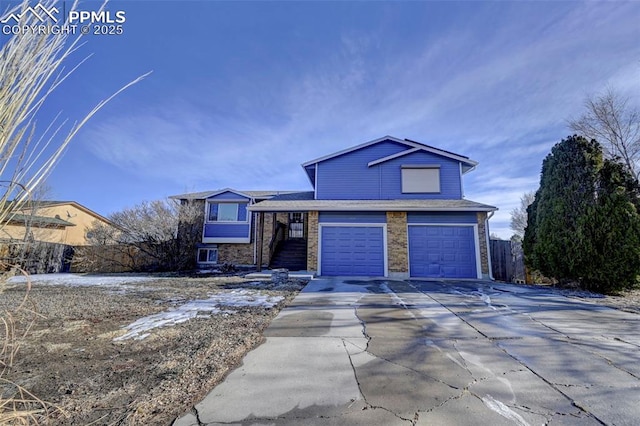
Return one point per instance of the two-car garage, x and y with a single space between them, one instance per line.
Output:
445 250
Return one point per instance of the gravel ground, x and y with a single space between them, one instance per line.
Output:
69 357
628 300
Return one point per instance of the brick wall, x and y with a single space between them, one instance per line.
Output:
397 241
312 242
482 236
238 254
267 232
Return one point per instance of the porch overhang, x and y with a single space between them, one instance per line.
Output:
371 205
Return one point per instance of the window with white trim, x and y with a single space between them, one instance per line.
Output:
208 255
227 212
420 179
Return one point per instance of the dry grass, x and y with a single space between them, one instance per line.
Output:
32 66
69 357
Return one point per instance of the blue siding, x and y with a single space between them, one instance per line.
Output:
391 175
442 252
226 230
228 195
348 176
436 217
352 217
352 251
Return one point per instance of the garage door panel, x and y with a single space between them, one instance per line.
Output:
351 250
442 251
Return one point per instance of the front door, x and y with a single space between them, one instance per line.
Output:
296 225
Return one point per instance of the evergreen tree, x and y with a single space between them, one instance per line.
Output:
584 223
610 232
567 188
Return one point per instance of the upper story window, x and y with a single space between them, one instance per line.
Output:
227 212
420 179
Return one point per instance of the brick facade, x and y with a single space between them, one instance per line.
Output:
238 254
482 237
397 242
265 238
312 241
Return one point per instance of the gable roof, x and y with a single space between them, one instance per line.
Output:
412 147
53 203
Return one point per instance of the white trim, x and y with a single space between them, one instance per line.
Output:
220 240
306 173
476 241
420 180
385 253
353 148
443 153
229 200
391 157
315 183
222 191
228 222
207 262
365 207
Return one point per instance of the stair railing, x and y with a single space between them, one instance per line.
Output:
276 238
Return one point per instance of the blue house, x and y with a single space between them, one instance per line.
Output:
387 208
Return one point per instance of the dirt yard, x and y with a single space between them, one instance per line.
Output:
628 300
79 357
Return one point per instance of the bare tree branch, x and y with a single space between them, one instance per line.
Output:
153 229
614 123
519 214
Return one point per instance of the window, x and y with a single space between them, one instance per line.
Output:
208 255
227 212
421 179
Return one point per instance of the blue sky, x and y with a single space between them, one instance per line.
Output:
242 93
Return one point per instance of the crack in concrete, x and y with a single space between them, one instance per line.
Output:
580 343
197 416
366 349
364 397
552 385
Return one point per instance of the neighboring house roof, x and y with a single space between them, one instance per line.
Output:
39 221
281 205
250 194
46 203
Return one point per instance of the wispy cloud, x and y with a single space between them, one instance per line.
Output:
498 91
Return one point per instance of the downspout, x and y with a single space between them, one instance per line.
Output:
486 229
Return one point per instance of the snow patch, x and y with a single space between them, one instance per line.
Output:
77 280
202 308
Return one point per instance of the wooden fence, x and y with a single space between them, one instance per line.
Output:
507 261
35 257
112 259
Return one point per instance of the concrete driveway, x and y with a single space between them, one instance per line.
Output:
372 352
